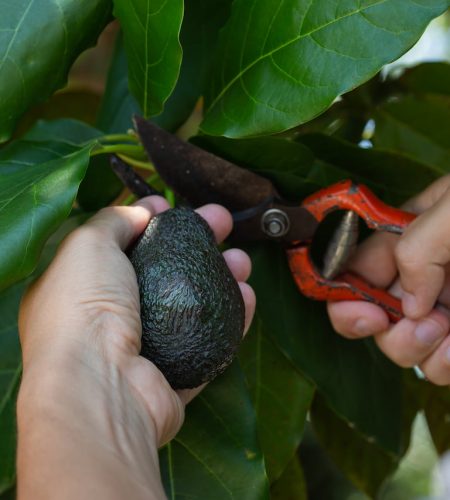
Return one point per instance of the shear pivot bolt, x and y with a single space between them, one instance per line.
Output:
275 223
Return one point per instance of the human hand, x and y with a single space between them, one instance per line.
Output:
415 267
80 332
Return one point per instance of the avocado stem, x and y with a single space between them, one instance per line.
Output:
131 179
145 165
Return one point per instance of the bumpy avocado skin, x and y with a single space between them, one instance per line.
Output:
192 310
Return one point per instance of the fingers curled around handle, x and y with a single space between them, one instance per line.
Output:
422 254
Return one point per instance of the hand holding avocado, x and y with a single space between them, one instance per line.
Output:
90 407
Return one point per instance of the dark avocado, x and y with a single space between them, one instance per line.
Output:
192 310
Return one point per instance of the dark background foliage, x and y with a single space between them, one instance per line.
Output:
291 90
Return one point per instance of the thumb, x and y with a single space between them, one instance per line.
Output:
123 224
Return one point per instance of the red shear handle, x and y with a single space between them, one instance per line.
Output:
347 195
346 287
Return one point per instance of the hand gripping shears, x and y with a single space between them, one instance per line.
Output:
259 213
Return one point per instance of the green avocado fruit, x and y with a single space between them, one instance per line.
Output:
192 309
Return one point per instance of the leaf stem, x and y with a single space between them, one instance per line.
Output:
119 137
118 148
169 195
146 165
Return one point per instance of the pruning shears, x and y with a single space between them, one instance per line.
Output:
260 213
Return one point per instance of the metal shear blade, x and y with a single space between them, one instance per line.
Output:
201 177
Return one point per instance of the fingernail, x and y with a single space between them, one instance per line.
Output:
363 328
409 304
428 332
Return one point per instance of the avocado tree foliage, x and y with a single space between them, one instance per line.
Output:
268 74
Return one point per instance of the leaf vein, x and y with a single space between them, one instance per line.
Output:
16 30
282 46
205 465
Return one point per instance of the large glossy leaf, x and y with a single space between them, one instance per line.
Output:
361 459
10 371
38 184
216 453
345 371
282 63
39 40
393 175
65 130
151 31
100 185
291 485
417 127
199 31
118 105
281 398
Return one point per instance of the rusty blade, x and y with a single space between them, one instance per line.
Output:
199 176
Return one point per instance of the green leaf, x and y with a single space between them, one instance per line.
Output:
435 401
118 105
39 41
290 165
281 398
10 371
100 185
394 176
216 453
324 480
427 78
343 442
65 130
418 128
291 485
280 64
345 371
151 31
199 31
38 184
